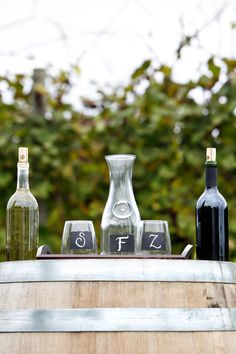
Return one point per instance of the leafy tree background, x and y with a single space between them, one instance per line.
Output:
153 117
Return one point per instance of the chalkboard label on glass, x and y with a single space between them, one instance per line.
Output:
81 240
121 243
153 241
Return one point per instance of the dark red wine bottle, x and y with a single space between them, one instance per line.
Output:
212 216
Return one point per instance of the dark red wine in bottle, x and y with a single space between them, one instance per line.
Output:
212 216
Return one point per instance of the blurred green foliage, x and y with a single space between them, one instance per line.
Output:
153 117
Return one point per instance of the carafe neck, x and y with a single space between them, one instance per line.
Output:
120 171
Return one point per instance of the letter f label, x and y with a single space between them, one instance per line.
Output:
121 241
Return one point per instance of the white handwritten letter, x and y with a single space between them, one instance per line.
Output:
120 242
152 243
80 241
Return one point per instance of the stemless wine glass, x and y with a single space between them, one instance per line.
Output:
79 237
154 237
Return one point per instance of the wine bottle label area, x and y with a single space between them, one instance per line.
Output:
122 230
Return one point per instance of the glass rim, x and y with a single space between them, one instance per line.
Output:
124 157
155 221
78 221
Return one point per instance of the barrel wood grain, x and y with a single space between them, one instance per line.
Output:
144 294
48 295
119 343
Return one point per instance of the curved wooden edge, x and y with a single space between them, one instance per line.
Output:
43 250
188 252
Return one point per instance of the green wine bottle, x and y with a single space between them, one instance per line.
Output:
22 229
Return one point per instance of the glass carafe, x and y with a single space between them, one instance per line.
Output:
121 217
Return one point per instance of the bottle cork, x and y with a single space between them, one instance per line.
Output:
211 154
23 154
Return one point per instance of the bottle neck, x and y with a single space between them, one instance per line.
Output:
210 176
22 176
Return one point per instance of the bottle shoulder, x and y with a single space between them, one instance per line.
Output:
22 198
211 197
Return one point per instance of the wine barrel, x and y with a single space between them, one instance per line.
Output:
117 306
